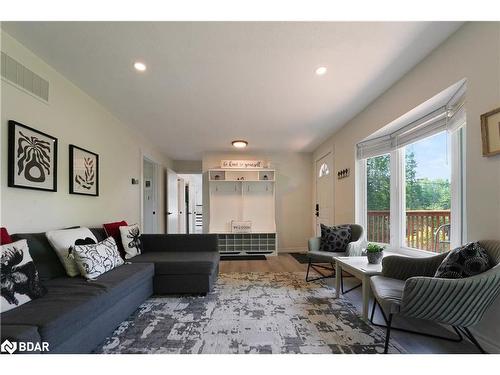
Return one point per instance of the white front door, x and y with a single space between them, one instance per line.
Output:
324 192
172 203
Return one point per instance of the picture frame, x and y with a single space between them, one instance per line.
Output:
32 158
490 132
83 171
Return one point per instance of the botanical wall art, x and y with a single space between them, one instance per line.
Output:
490 132
32 160
83 171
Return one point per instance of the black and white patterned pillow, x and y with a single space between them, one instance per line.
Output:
465 261
19 277
63 242
335 239
131 239
95 259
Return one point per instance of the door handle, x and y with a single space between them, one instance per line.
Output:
169 213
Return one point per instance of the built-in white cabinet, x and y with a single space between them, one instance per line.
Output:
243 195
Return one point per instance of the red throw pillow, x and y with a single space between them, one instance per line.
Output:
113 230
4 236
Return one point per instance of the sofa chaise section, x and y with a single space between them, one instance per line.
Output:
183 263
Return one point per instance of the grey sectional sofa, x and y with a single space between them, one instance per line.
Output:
76 315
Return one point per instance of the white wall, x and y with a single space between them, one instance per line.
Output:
74 118
473 52
293 193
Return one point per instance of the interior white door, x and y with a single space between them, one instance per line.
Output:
324 192
181 191
150 221
191 209
172 203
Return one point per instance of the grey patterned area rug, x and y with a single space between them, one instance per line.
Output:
250 313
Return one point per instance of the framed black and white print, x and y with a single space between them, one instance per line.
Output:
32 159
83 171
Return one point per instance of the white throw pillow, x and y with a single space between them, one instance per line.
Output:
20 282
63 242
131 239
94 260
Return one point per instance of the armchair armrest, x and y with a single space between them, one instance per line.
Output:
179 242
314 243
457 302
355 248
403 267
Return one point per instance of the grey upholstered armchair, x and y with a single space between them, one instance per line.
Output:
407 288
318 258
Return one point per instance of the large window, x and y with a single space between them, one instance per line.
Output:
410 180
428 194
378 198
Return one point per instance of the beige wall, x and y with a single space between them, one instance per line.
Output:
473 52
293 193
74 118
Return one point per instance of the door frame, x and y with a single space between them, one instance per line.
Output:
327 152
156 188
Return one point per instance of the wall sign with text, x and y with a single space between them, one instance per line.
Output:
241 226
243 164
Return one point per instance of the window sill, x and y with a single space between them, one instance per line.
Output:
413 252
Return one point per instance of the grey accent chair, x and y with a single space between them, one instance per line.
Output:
408 288
318 258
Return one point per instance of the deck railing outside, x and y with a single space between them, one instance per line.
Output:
420 228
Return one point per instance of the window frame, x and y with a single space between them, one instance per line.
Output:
398 194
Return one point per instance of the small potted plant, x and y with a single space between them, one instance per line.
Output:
374 253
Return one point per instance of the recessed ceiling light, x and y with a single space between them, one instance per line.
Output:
141 67
239 143
321 70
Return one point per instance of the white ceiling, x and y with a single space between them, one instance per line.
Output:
208 83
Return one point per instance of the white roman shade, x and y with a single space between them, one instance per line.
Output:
447 117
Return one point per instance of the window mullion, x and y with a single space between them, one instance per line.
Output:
397 199
362 209
457 236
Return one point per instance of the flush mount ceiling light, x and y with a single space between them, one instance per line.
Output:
139 66
321 71
239 143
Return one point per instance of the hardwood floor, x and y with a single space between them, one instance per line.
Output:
411 342
279 263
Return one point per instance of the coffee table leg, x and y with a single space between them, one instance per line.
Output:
338 272
366 295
